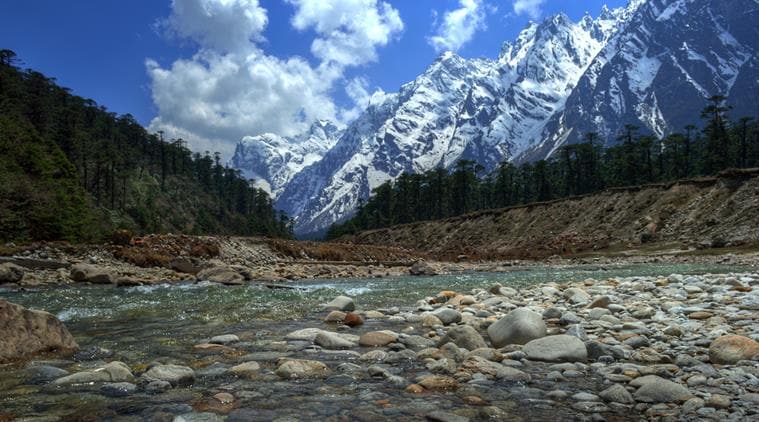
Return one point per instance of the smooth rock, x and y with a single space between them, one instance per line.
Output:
353 319
332 341
90 274
518 327
421 268
439 383
112 372
298 368
246 369
658 390
447 316
340 303
176 375
224 339
118 389
600 302
464 336
26 332
335 316
222 275
559 348
617 394
731 349
377 338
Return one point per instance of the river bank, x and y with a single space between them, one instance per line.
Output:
616 346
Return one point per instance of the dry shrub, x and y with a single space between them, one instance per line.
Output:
205 250
121 237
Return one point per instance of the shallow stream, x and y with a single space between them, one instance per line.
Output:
140 325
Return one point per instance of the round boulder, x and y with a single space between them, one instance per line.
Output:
728 350
518 327
560 348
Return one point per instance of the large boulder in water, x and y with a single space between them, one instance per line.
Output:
90 274
11 273
26 332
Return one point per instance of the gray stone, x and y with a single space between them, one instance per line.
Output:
560 348
617 394
176 375
518 327
464 336
224 339
332 341
90 274
112 372
576 295
448 316
11 273
658 390
421 268
297 368
118 389
552 313
340 303
222 275
40 374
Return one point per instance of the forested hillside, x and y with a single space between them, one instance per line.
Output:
70 169
575 169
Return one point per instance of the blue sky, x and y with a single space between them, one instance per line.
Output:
100 50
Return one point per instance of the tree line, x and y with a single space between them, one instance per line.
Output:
575 169
73 170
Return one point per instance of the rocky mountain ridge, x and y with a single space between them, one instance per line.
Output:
652 64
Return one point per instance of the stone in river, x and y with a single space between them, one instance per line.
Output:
340 303
377 338
518 327
246 369
464 336
447 316
298 368
332 341
655 389
335 316
576 295
26 332
222 275
177 375
40 374
600 302
118 389
617 394
440 416
730 349
112 372
559 348
439 383
353 319
224 339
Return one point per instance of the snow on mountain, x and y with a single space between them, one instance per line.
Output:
658 73
272 160
652 63
484 110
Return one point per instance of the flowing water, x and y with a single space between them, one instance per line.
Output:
140 325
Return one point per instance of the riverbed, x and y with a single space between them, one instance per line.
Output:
162 323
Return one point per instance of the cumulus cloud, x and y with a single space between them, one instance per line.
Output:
358 91
532 8
459 26
231 87
349 31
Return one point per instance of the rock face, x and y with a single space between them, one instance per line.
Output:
731 349
26 332
561 348
518 327
11 273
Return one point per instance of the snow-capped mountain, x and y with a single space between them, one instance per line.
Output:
658 73
272 160
652 63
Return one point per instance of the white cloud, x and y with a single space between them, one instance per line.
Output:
459 26
349 31
231 87
533 8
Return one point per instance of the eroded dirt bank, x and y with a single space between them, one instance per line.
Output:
693 214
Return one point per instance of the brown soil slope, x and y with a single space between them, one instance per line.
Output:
706 212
